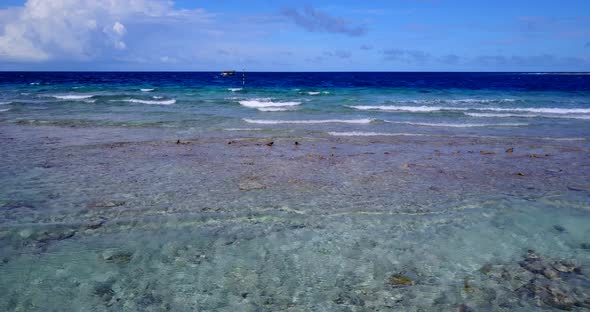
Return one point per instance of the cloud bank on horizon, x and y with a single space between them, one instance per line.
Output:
403 35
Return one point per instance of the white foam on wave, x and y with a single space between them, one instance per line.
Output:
460 125
35 83
313 93
424 108
362 133
321 121
73 97
549 110
478 100
405 108
563 139
266 103
234 89
508 115
493 115
165 102
451 101
146 90
274 109
4 110
243 129
5 103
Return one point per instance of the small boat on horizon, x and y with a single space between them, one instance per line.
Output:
226 73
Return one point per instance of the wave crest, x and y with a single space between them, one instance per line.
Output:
362 133
321 121
164 102
266 103
460 125
405 108
424 108
73 97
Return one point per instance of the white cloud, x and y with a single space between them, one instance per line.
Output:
76 29
119 29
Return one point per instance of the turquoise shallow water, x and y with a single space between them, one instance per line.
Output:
198 196
480 104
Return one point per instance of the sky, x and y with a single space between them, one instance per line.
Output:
291 35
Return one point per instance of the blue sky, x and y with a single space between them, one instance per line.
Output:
284 35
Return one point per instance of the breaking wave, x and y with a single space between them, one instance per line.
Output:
73 97
164 102
425 108
460 125
362 133
276 122
508 115
267 105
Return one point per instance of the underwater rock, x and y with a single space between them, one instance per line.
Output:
106 204
9 205
251 184
566 267
556 284
533 265
400 280
510 150
464 308
46 237
95 224
486 269
149 300
486 153
104 291
349 298
550 274
117 256
579 188
549 294
467 287
559 228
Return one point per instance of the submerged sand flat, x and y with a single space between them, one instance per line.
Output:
112 219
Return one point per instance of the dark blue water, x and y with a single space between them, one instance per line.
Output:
472 81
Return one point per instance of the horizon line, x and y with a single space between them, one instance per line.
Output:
255 71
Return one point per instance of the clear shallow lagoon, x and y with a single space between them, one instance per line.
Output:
404 192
